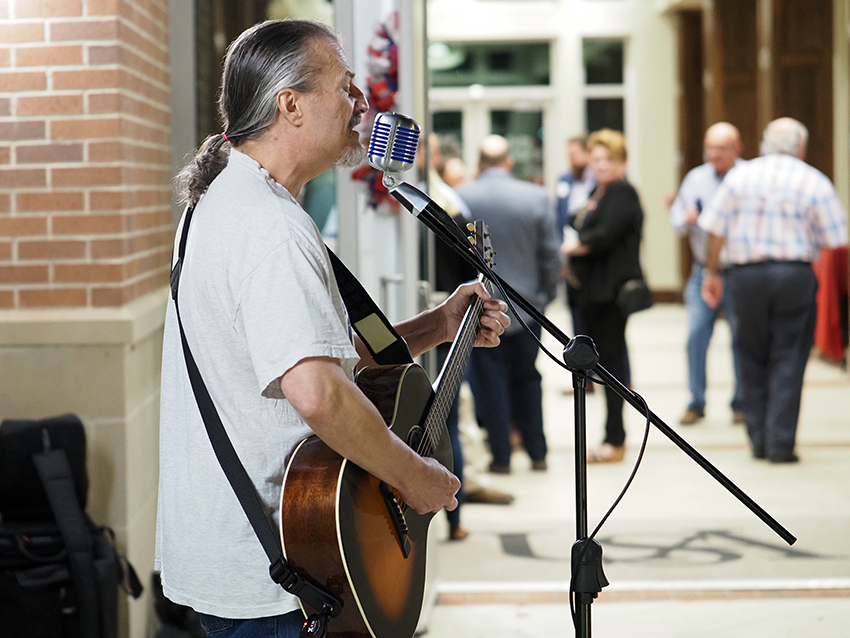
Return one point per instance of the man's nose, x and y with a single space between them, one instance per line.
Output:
361 104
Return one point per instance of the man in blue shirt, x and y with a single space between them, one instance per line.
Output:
574 186
573 190
722 147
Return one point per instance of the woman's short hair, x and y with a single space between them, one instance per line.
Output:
613 141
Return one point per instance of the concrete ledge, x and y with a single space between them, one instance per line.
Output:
84 326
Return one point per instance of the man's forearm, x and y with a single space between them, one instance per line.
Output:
712 259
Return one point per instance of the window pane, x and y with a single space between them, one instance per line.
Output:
603 61
605 113
449 124
489 64
524 132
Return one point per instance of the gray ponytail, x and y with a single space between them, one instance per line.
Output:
263 60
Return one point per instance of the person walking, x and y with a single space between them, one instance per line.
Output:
722 152
774 213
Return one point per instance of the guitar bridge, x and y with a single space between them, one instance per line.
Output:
397 517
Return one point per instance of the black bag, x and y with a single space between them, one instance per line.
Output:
59 572
634 295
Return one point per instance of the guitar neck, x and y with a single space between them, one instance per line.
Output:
451 376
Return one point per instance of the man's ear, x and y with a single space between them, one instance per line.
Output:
290 105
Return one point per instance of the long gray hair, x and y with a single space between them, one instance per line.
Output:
262 61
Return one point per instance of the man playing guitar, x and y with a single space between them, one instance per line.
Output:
264 319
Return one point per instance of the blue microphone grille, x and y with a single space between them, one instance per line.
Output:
380 139
392 147
406 141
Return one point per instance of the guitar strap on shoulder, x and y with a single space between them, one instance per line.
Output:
385 345
237 476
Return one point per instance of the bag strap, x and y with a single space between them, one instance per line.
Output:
237 476
55 473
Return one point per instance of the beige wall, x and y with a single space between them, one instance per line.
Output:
104 366
85 242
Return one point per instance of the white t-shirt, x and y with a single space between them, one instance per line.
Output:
257 295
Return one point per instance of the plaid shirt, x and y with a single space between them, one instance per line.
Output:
776 208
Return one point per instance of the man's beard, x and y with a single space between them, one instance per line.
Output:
352 156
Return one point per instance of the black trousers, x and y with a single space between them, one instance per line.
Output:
776 309
606 325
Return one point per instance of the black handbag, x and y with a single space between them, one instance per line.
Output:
634 295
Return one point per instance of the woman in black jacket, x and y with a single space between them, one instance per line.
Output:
603 256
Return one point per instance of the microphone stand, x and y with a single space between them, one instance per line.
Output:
580 357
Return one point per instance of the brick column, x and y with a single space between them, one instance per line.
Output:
84 182
85 241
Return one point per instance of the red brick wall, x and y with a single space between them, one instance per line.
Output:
85 190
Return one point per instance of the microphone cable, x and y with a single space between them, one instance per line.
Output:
447 236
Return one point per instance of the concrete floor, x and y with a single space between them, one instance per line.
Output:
684 557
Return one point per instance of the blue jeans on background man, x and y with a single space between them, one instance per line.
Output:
701 318
284 626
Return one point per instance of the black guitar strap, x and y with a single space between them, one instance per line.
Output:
386 347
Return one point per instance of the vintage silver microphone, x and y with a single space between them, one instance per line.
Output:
392 147
392 150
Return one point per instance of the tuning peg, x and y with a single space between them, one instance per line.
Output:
470 227
471 240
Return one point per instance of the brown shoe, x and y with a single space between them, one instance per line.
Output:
606 453
539 466
458 533
495 468
738 417
489 496
691 416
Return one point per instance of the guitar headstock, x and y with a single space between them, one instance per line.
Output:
480 240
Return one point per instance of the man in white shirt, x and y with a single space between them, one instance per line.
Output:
265 322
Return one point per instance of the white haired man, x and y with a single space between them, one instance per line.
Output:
774 213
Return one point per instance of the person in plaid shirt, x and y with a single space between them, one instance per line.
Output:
773 213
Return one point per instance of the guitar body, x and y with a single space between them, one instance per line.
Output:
337 528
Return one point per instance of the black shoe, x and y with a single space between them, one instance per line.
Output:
784 458
759 454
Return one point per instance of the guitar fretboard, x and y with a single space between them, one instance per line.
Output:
448 383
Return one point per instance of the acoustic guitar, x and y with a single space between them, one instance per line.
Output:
347 531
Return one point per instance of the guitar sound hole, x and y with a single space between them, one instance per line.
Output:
414 437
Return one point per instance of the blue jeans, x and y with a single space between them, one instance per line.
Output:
284 626
701 318
453 427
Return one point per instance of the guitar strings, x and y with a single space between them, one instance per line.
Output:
444 399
